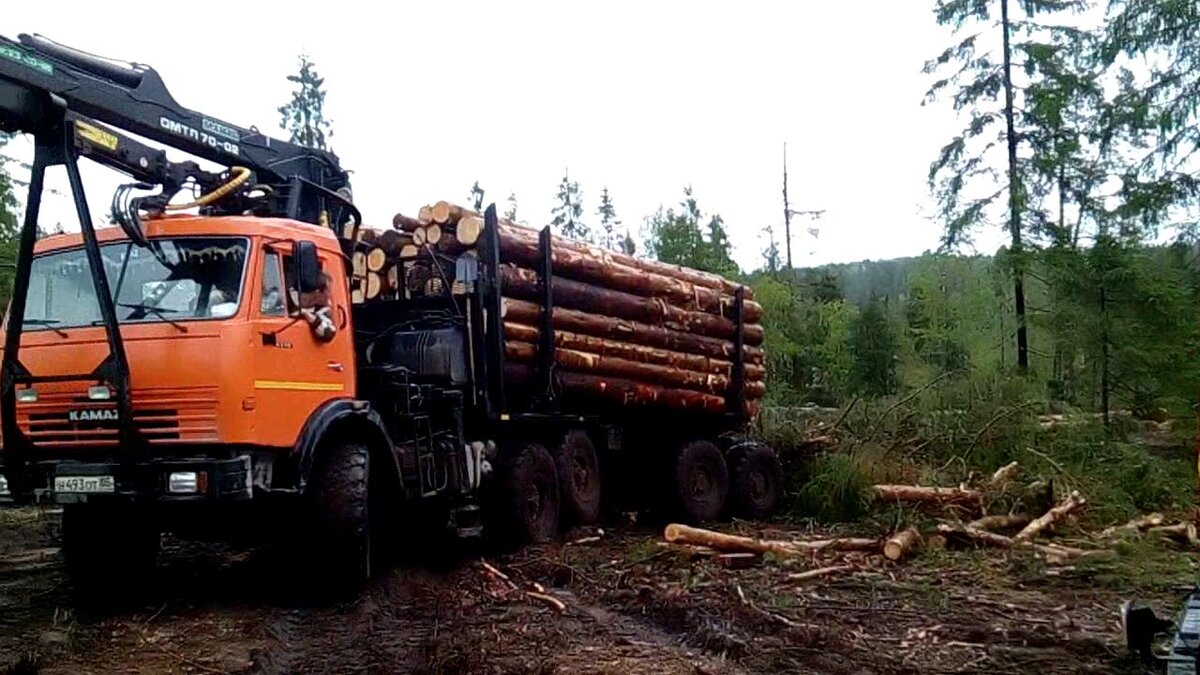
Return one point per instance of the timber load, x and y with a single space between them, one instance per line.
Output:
625 330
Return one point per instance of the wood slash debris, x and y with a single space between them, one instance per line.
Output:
1010 531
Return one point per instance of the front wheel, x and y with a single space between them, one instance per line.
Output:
342 533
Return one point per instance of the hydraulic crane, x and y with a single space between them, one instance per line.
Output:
73 104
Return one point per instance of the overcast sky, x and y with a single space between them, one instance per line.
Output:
644 97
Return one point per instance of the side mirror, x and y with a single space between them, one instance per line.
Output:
308 268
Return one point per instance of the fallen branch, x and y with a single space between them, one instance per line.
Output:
820 572
1071 504
1184 533
1006 473
684 534
1054 553
1140 524
554 602
935 495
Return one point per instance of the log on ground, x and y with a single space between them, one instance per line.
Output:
933 495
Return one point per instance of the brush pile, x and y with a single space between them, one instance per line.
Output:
626 330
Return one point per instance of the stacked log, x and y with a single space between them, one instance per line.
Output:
626 330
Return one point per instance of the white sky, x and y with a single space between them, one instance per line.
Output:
644 97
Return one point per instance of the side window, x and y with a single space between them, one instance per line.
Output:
274 291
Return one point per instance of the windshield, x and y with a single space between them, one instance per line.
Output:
183 279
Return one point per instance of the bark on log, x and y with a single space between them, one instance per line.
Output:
685 534
697 277
1072 503
999 522
403 222
529 313
367 235
631 351
935 495
901 544
392 241
596 266
584 362
620 390
522 283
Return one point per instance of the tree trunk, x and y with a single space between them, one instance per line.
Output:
1015 197
393 241
650 373
1057 514
523 283
529 313
403 222
693 276
901 544
1105 386
937 495
593 265
631 351
622 391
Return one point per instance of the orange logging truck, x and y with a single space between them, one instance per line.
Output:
205 365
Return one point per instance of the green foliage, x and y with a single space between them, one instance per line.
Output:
510 212
304 116
680 239
835 489
568 212
874 351
10 230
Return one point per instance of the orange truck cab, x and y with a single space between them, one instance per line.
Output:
222 366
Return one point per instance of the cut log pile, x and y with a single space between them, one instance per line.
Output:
1005 531
626 330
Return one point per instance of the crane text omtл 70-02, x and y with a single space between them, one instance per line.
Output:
207 372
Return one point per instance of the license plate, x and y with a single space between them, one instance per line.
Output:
84 484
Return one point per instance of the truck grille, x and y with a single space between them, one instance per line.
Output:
162 416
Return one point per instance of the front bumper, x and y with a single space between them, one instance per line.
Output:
174 479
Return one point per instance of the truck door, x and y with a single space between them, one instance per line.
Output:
294 371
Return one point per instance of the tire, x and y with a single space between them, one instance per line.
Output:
530 499
579 478
342 528
701 482
757 485
109 550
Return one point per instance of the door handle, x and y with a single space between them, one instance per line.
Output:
335 366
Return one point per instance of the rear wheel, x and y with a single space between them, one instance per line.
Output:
342 533
579 478
528 510
701 482
110 550
757 482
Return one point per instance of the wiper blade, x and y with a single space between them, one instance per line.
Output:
47 322
156 311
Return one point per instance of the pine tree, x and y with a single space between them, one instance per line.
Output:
608 221
770 254
964 176
568 213
304 115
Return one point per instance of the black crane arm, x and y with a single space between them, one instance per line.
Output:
42 81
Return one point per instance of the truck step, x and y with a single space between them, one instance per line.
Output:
468 521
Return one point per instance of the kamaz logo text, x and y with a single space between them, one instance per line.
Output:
96 415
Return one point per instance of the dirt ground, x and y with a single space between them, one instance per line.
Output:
632 605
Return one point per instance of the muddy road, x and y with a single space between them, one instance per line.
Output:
628 605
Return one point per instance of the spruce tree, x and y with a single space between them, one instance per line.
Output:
874 349
304 116
568 212
476 198
608 222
